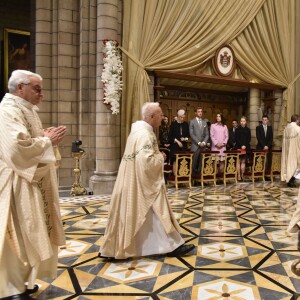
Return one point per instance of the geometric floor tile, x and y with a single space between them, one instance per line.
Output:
222 251
72 247
242 249
220 225
130 271
221 288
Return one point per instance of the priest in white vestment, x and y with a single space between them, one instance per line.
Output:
290 158
141 221
30 222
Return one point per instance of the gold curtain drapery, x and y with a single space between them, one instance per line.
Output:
266 49
180 35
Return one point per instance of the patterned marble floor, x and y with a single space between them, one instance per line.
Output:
242 250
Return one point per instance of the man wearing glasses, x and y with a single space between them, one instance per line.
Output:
30 222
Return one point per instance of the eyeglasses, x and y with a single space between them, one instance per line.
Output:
37 89
158 113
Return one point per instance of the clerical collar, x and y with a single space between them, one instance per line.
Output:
140 125
20 100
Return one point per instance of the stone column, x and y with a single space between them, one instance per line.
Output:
254 106
57 61
107 125
86 85
277 109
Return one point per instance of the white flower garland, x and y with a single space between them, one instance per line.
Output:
112 75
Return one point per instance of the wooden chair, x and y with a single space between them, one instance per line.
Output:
183 169
168 169
209 168
231 165
275 166
256 169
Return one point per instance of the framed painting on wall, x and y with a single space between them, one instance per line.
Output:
16 52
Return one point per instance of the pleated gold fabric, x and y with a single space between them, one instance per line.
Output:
181 35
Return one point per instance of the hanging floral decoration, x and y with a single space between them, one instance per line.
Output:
112 75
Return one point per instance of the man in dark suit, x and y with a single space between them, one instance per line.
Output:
231 134
199 133
264 135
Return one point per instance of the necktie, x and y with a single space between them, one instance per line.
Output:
265 128
200 122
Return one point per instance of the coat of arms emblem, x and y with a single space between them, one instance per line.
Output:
225 59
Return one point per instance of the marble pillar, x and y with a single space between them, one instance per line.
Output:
277 139
107 125
254 112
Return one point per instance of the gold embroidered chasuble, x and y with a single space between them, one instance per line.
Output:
30 218
139 187
290 158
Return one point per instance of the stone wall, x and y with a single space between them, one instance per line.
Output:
69 56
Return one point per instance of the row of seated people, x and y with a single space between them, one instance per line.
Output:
181 172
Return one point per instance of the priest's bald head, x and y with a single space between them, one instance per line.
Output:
152 114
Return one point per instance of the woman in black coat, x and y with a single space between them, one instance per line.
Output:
243 139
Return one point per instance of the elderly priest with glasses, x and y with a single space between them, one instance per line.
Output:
30 222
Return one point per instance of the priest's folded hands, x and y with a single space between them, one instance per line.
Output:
55 134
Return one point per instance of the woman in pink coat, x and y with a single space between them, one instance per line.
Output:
219 138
